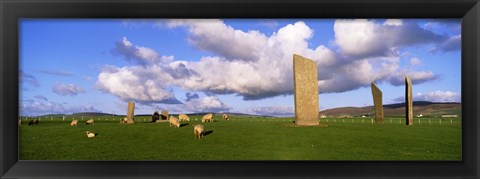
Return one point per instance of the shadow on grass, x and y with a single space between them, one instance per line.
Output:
181 125
207 133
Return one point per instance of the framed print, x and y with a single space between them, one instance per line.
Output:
218 88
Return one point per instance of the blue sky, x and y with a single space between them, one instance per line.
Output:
230 65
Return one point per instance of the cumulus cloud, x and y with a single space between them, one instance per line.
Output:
256 66
195 104
435 96
137 83
273 111
35 108
208 103
415 77
141 55
67 89
361 38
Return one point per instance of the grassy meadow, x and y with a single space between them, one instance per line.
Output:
242 138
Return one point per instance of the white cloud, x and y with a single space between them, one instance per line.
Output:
143 85
195 104
415 77
435 96
361 38
438 96
35 108
141 55
206 104
67 89
273 111
256 66
393 22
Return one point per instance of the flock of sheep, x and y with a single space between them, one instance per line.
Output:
198 130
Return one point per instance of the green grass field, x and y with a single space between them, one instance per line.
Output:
243 138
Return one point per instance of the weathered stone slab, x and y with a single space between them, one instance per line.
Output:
130 112
377 103
305 91
164 115
408 101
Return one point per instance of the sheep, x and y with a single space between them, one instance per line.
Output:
198 131
207 118
19 122
90 134
225 117
183 117
33 122
90 121
74 122
125 119
155 116
174 121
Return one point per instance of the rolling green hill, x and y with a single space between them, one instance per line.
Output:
419 107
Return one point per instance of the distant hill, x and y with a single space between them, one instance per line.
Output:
419 107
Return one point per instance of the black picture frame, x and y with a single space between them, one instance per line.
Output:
467 10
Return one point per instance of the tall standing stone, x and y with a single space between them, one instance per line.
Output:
130 112
377 103
305 91
408 101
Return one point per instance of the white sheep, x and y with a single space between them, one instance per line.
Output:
183 117
207 118
198 131
90 121
90 134
174 121
74 122
225 117
125 119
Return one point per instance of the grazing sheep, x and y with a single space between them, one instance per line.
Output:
207 118
90 134
225 117
124 120
155 116
174 121
183 117
198 131
74 122
90 121
19 122
33 122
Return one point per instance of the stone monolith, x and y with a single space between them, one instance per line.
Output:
377 103
130 112
305 91
408 101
